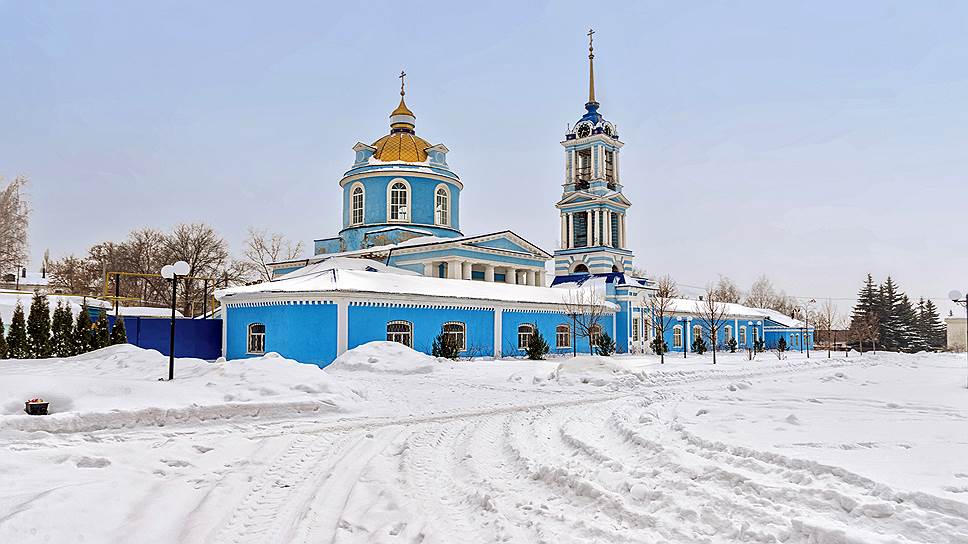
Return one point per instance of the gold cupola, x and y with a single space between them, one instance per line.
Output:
402 144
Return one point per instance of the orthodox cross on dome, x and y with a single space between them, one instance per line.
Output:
402 76
591 67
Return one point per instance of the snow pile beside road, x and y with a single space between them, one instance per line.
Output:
119 386
387 358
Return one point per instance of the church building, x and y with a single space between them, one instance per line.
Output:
401 268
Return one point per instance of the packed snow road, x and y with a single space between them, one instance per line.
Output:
584 450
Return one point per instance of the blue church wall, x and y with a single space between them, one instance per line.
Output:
546 323
796 339
304 332
327 245
369 322
422 200
669 334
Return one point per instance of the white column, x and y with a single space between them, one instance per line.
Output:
453 269
608 227
688 332
541 278
591 228
564 233
489 272
467 268
497 331
342 326
621 230
429 270
615 166
511 276
532 275
571 230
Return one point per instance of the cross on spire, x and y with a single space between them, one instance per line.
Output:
402 75
591 68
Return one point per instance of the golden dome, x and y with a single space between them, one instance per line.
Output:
402 109
401 146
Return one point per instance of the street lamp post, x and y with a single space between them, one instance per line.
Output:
959 298
685 328
804 337
171 272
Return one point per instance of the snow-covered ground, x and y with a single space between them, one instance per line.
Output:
389 446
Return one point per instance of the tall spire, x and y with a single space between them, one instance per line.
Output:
591 68
402 119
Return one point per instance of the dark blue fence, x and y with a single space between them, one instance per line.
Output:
200 338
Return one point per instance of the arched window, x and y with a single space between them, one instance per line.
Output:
524 335
563 336
593 333
442 206
646 332
677 336
742 336
257 339
728 332
580 269
400 331
399 200
456 331
357 204
696 332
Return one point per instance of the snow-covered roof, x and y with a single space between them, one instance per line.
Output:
781 318
390 282
145 311
345 263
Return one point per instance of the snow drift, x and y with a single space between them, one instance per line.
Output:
123 386
383 357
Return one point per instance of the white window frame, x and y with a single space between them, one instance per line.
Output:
677 336
563 334
696 332
593 333
442 214
461 334
524 336
353 208
635 329
742 335
398 336
259 337
728 332
406 207
646 330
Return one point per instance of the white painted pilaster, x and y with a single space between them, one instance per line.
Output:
342 326
430 270
466 270
497 331
489 273
571 230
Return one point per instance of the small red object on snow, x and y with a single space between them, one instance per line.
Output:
36 407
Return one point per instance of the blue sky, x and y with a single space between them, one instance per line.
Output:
812 141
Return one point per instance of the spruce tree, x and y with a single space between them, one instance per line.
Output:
866 310
537 348
604 345
3 341
909 335
120 336
38 327
62 331
891 324
17 346
83 333
102 332
931 326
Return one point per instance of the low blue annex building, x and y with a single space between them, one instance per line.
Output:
401 269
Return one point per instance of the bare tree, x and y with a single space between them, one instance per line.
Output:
262 248
14 220
843 322
762 294
825 318
587 308
712 312
660 305
725 290
867 329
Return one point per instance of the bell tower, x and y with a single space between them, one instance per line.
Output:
592 207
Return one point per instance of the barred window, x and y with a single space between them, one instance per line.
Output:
257 338
456 331
400 331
